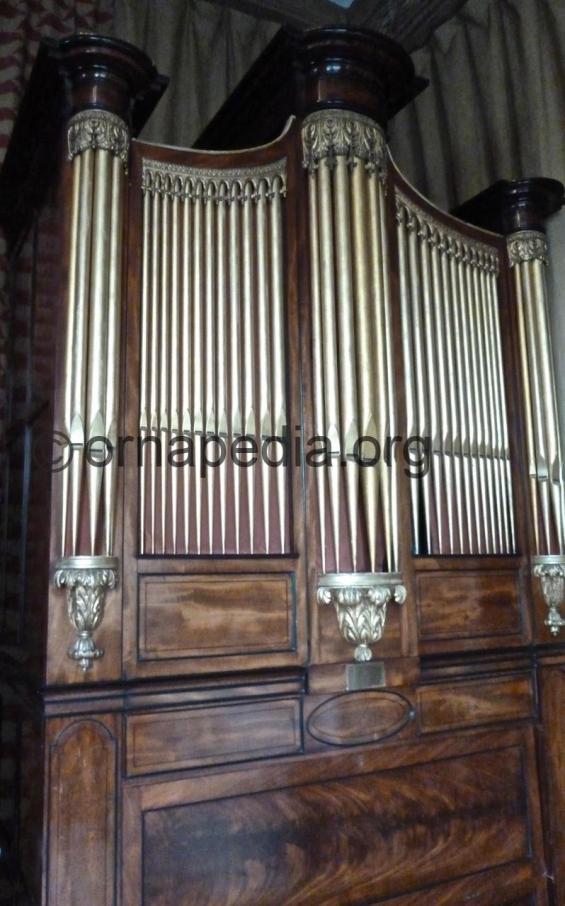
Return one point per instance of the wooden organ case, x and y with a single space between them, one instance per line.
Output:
291 628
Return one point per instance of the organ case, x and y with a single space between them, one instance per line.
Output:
305 547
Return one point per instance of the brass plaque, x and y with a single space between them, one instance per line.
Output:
365 676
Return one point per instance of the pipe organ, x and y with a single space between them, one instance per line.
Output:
293 613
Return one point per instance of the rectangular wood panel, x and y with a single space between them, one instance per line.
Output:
83 758
199 736
553 753
465 704
320 842
468 606
215 616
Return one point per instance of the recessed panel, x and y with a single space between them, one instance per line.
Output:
345 842
185 738
467 606
215 616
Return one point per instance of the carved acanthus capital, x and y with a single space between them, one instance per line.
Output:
328 134
98 129
551 572
527 245
86 580
360 601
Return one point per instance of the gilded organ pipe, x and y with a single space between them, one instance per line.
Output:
221 357
264 400
317 359
386 398
235 423
176 336
279 408
248 360
186 315
330 356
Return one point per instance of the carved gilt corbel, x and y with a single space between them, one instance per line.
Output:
86 580
550 570
360 601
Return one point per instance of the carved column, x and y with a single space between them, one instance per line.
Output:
103 78
519 209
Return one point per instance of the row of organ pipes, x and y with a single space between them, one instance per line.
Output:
540 412
455 387
91 358
213 342
353 368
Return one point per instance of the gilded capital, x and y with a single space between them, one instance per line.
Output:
98 129
329 134
527 245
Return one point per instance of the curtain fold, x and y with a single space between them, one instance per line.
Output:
495 109
205 48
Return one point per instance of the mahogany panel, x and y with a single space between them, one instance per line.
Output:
471 703
82 764
170 740
552 750
355 718
473 608
319 843
207 615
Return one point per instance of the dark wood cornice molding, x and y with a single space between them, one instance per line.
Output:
509 206
78 72
109 74
299 72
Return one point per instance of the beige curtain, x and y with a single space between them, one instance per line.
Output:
495 109
205 48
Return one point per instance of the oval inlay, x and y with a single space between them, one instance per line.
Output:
357 718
